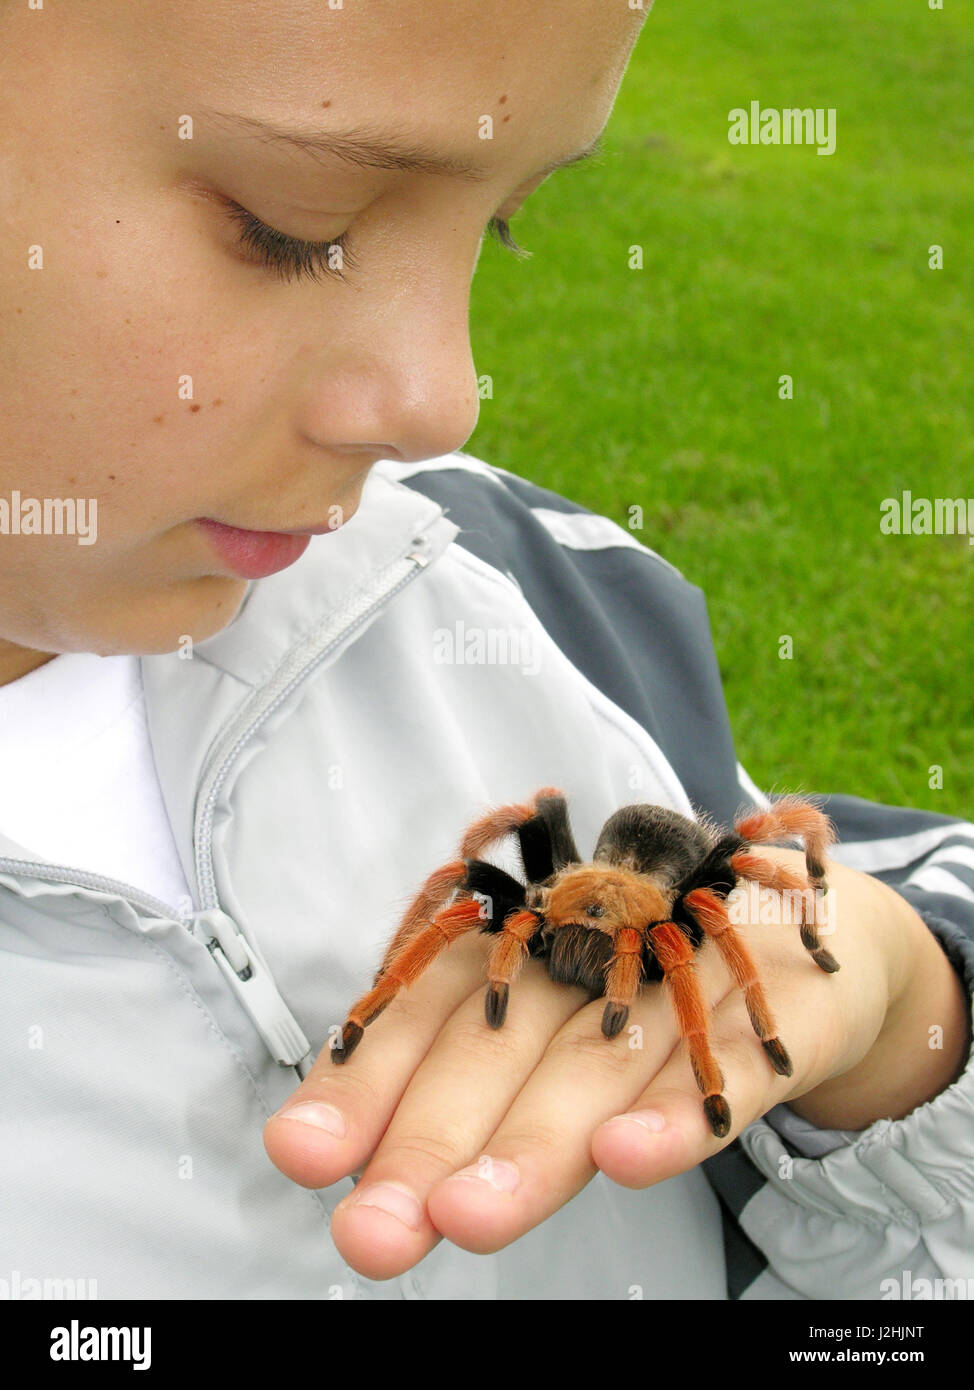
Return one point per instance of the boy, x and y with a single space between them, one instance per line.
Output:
231 752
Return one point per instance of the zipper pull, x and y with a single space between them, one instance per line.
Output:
420 551
254 986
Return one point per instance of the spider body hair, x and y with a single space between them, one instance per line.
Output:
635 914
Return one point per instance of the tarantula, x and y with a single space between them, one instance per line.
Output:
654 891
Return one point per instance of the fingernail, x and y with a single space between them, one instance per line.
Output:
392 1198
498 1172
313 1112
649 1119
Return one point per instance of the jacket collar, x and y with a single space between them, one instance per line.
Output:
190 695
188 701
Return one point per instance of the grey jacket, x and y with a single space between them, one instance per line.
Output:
465 639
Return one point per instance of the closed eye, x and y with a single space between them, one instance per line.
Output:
291 258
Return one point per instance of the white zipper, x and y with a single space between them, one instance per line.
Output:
240 960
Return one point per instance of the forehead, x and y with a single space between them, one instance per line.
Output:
432 68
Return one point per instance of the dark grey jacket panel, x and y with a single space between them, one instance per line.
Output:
625 618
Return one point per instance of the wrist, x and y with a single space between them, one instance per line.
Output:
924 1043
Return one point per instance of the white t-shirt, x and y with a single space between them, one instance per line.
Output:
78 785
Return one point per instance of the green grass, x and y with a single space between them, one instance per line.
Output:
658 388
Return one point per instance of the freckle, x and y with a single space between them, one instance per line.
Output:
505 120
71 415
20 311
218 401
128 320
503 99
74 390
158 419
71 482
194 408
326 103
112 476
102 274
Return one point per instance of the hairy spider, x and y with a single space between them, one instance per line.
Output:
653 892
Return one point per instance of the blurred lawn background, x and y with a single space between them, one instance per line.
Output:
658 387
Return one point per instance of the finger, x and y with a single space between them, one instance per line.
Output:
548 1135
332 1123
666 1131
456 1099
827 1022
540 1156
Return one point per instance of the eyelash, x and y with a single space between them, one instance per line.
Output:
291 258
500 231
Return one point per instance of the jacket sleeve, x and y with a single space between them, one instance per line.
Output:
807 1213
887 1212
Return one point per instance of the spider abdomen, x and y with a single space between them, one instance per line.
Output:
654 840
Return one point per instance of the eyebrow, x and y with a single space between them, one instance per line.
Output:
379 150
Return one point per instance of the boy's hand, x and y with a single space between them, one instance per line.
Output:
531 1110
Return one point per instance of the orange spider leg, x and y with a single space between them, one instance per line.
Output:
423 908
413 958
792 815
623 977
496 824
492 826
778 876
507 955
711 913
675 955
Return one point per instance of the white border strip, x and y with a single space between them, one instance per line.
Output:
896 852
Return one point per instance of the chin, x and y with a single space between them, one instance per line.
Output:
173 621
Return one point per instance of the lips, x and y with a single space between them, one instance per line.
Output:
256 554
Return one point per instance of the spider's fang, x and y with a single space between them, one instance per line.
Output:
614 1019
718 1115
351 1037
495 1005
778 1056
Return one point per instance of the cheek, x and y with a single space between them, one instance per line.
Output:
125 380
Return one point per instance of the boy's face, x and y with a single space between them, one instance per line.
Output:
298 386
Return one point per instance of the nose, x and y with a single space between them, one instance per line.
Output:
396 378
